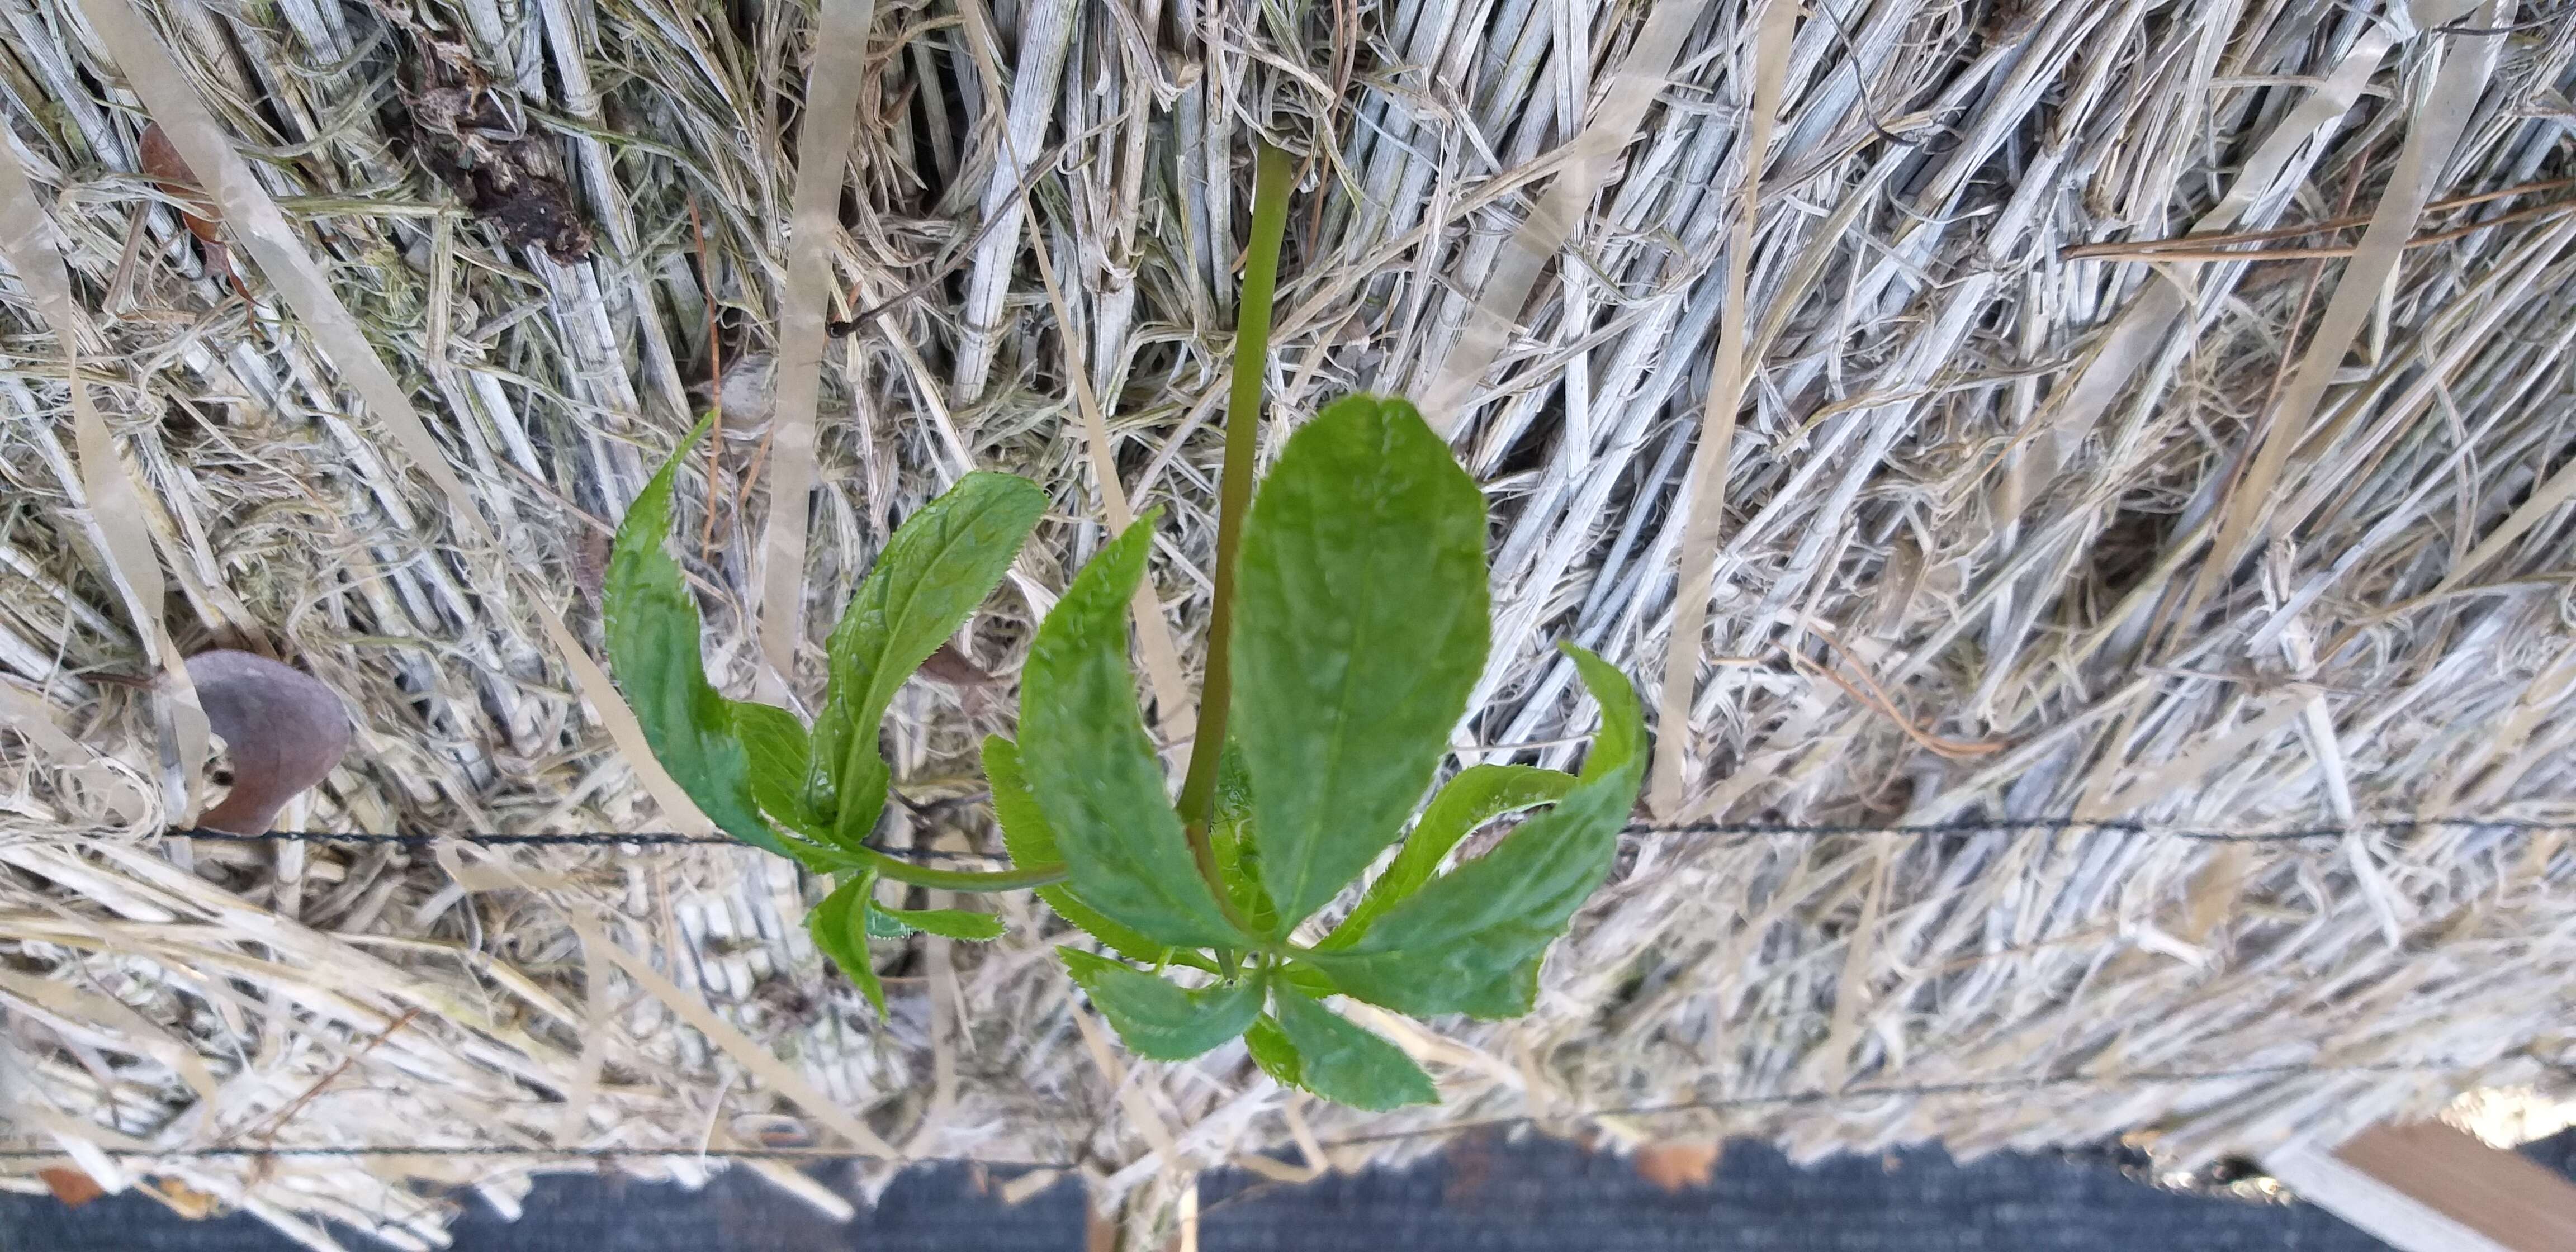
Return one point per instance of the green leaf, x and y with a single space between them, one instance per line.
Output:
1093 770
1470 941
1030 841
947 923
652 635
940 564
1346 1064
1478 795
1362 627
1238 855
1276 1056
1158 1020
1304 977
781 758
840 932
881 926
1025 832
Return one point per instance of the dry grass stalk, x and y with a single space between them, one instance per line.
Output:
1992 467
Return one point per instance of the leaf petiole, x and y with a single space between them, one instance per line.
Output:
957 879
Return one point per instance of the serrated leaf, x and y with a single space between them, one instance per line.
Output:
939 565
1361 629
1030 841
947 923
881 926
1093 770
1470 941
1346 1064
1478 795
781 759
1276 1056
1160 1021
652 630
839 928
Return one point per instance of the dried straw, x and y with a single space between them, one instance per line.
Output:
2260 530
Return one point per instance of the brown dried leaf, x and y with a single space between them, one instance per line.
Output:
950 666
1681 1165
282 727
71 1186
187 1201
508 177
169 171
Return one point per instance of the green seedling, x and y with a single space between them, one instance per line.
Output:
1350 622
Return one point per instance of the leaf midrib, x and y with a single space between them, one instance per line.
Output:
1313 841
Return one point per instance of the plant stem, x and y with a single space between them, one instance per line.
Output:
1234 496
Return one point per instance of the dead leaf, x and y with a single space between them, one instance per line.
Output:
975 688
186 1201
169 172
283 728
71 1186
474 136
1681 1165
950 666
590 563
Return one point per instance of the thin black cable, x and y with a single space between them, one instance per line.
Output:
1786 1099
601 839
2068 825
361 1151
1923 830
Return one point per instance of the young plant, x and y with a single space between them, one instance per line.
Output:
759 773
1350 622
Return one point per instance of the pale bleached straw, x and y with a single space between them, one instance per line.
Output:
1587 160
2466 62
115 508
1984 461
1703 490
823 143
254 218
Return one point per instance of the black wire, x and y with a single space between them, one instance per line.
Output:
2068 825
1787 1099
585 1154
642 838
1924 830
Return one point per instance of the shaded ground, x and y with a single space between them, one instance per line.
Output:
1483 1195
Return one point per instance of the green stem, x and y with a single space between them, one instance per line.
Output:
958 879
1234 497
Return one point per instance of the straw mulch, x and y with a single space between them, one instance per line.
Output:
2015 521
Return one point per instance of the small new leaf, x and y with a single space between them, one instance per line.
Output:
1093 770
1030 841
940 564
781 759
1158 1020
840 931
1469 942
1271 1050
1346 1064
1362 627
652 634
